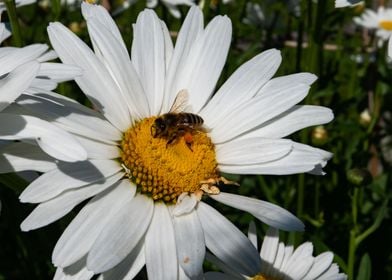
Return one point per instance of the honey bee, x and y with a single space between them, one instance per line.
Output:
177 123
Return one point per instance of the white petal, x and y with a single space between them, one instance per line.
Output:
38 84
302 158
204 66
298 270
274 268
257 111
148 56
390 47
320 265
288 251
298 258
16 82
100 13
229 271
116 58
190 244
219 276
19 56
85 228
185 204
58 72
168 45
252 233
95 82
226 242
266 212
129 267
71 116
252 150
242 85
68 176
76 271
98 150
331 273
190 30
53 140
21 156
160 247
297 118
269 250
121 234
47 56
52 210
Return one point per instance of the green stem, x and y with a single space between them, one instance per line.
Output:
354 208
351 255
16 34
353 232
375 225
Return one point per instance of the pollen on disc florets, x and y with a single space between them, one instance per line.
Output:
165 171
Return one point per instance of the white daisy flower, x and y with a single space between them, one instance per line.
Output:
146 176
18 3
381 21
25 71
278 261
347 3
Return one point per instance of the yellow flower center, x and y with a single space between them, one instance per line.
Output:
164 171
386 24
263 277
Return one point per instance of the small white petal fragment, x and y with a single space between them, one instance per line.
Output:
53 140
266 212
347 3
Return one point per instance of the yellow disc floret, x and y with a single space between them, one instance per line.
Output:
165 171
261 276
386 24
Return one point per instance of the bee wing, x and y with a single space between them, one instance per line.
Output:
181 102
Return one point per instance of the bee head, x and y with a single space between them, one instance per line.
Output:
158 128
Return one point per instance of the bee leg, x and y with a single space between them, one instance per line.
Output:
171 140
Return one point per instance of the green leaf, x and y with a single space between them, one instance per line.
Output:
365 268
